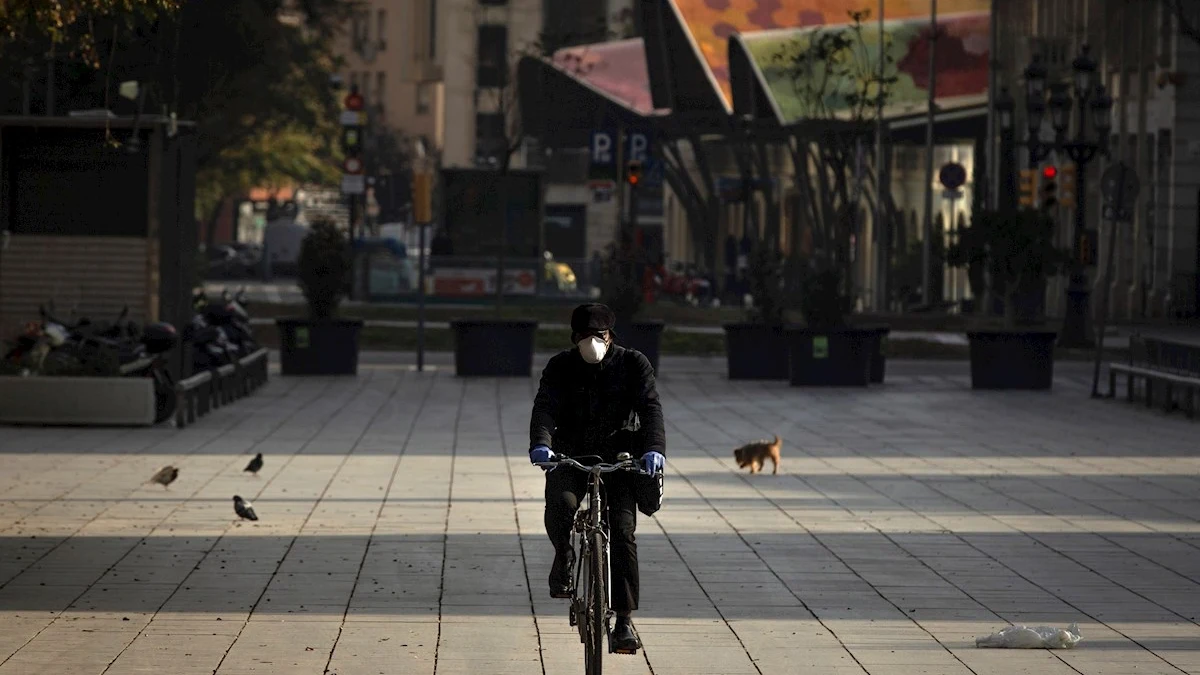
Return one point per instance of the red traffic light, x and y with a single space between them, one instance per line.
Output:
633 172
1049 173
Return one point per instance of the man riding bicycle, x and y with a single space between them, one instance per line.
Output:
597 399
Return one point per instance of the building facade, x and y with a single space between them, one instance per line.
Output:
1152 71
443 71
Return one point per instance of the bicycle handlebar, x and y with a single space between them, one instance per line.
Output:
626 465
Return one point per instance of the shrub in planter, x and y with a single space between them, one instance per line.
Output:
322 343
1018 249
827 352
756 349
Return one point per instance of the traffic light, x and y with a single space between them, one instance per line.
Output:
1066 186
352 141
352 131
1048 191
633 173
1027 187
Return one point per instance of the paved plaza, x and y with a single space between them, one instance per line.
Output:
401 533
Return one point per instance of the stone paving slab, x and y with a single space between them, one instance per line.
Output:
401 532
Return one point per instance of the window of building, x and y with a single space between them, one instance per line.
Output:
424 98
493 3
1166 36
380 24
492 50
380 89
358 28
364 86
566 24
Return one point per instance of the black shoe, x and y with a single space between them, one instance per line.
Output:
624 638
561 583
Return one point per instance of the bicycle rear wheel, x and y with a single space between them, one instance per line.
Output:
598 606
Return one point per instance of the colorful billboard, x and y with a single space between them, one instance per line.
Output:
801 92
615 69
712 22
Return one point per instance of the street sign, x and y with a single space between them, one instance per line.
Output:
354 184
352 165
602 153
637 147
952 194
602 190
351 118
1120 186
354 101
953 176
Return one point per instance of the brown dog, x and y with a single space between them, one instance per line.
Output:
755 454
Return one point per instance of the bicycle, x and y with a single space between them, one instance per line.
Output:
590 611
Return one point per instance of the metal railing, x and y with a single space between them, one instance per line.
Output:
204 392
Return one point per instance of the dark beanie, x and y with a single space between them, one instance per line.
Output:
592 317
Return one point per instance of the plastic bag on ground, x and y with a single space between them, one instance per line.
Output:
1025 637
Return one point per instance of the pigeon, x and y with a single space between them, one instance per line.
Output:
255 464
165 476
244 509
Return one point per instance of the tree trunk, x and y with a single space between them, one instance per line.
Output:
1010 306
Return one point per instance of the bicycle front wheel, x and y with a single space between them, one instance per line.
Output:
598 605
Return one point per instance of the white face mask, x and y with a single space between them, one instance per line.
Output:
592 349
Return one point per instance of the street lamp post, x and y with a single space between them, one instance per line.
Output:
1005 105
1089 97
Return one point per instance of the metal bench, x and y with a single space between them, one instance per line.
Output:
202 393
1155 363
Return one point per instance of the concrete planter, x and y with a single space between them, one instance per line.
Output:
756 352
1012 359
836 357
77 401
318 347
879 339
644 336
493 347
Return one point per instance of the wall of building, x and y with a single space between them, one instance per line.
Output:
388 53
1153 73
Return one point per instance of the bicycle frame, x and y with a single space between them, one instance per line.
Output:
588 527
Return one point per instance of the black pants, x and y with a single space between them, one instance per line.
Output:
565 490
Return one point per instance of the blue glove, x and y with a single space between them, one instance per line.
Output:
540 454
653 462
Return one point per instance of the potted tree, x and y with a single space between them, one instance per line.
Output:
619 289
1017 248
756 349
837 84
322 343
500 345
827 351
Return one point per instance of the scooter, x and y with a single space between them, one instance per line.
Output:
230 316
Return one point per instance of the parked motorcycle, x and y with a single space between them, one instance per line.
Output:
83 348
220 331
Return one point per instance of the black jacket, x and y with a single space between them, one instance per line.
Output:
598 409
